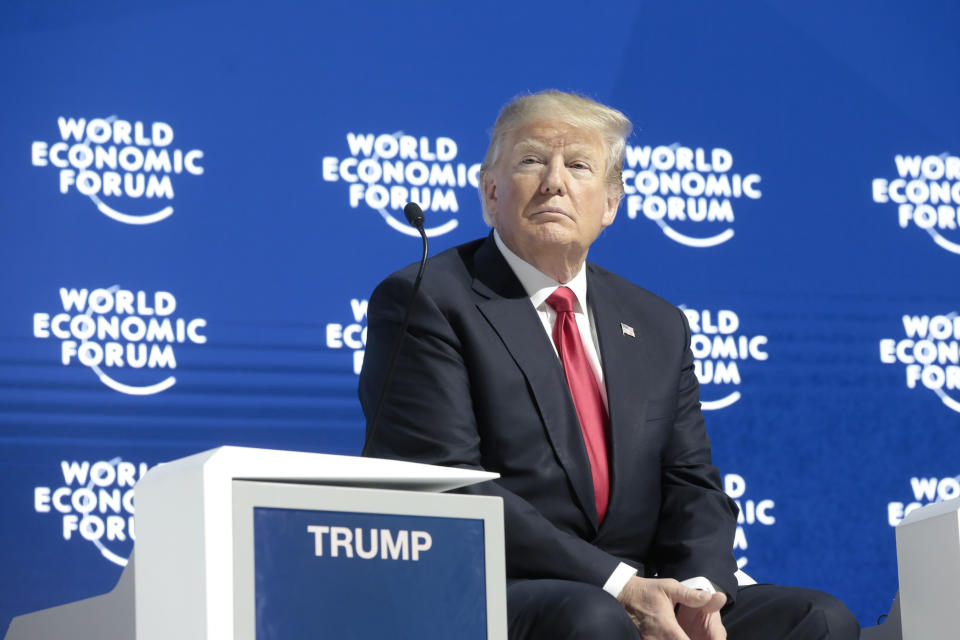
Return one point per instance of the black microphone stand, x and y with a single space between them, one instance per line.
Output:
414 215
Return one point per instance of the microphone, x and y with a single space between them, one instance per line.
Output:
414 215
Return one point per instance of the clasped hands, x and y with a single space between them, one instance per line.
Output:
664 609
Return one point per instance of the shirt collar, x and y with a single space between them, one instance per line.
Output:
538 285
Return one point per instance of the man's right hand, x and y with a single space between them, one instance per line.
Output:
651 603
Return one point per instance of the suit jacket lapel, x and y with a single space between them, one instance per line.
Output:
620 354
507 308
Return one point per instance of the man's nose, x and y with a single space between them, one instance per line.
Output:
553 183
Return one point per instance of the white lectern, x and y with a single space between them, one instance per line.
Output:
254 544
928 568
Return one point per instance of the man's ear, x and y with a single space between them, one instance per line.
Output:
610 214
490 195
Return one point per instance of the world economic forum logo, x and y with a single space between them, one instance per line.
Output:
120 333
95 504
118 164
926 490
754 512
927 194
350 336
385 171
688 192
930 351
719 350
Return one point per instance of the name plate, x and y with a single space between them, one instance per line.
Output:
344 562
335 574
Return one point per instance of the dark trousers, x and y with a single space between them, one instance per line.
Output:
560 609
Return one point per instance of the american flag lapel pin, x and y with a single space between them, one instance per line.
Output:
627 330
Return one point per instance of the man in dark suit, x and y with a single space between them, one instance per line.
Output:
578 387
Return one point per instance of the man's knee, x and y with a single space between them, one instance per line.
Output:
771 612
558 609
839 621
599 615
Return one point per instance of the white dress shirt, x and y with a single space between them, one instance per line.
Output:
539 286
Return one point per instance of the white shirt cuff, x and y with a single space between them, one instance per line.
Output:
700 583
622 574
619 579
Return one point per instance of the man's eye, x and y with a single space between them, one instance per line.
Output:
529 160
579 165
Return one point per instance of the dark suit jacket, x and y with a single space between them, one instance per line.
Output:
477 385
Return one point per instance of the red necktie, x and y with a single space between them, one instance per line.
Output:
585 392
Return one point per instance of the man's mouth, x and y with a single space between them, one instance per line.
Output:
550 211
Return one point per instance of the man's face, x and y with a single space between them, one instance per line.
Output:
547 193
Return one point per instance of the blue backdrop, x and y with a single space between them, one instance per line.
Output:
199 197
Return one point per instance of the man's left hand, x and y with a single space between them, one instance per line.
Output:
704 623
